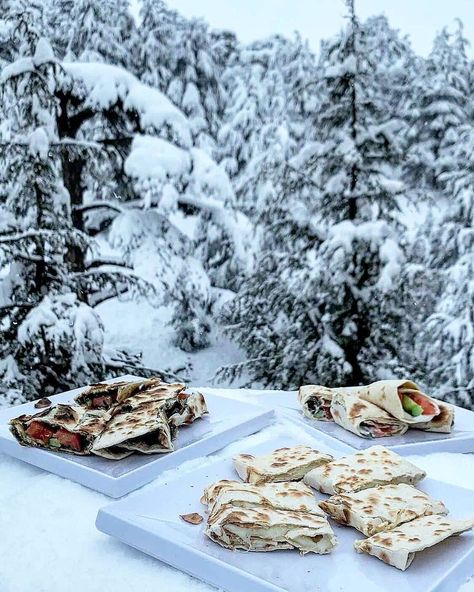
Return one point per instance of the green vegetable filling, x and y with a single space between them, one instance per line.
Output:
55 442
411 407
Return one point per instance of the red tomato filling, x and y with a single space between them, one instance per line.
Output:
422 400
42 432
104 401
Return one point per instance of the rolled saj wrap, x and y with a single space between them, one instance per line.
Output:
363 418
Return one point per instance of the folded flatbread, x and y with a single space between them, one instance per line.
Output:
191 407
135 428
267 529
398 547
374 466
105 396
396 396
441 423
293 496
316 401
381 508
363 418
66 428
283 464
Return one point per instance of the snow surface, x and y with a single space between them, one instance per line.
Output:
49 540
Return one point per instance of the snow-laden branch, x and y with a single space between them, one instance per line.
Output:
94 205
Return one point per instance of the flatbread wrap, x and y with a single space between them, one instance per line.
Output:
141 428
192 406
267 529
401 398
293 496
283 464
363 418
374 466
316 401
382 508
64 428
398 547
443 422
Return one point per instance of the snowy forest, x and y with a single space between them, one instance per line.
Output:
174 201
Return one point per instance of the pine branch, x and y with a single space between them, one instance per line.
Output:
97 262
95 205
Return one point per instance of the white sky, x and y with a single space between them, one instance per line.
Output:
317 19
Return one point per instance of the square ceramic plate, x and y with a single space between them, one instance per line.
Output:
149 521
461 439
228 420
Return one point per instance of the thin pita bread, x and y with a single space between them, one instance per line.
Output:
380 509
374 466
266 529
398 547
293 496
316 401
441 423
283 464
363 418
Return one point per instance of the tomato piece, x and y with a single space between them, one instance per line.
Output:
68 439
39 431
429 408
104 401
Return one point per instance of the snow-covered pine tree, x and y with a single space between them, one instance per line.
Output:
91 31
195 86
319 307
155 42
50 337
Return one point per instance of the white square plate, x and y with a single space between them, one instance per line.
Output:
149 521
228 420
461 439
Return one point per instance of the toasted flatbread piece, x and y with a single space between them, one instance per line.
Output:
65 428
143 428
443 422
398 547
363 418
283 464
316 401
266 529
374 466
105 396
382 508
294 496
386 394
192 407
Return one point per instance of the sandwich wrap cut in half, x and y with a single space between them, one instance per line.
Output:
105 396
381 508
65 428
443 422
374 466
316 401
398 547
363 418
293 496
401 398
283 464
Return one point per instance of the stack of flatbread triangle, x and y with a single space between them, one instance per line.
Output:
113 420
381 409
374 492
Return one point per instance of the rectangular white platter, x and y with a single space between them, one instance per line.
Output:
461 439
228 420
149 521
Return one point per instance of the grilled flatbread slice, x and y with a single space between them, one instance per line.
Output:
363 418
191 407
441 423
283 464
398 547
380 509
65 428
294 496
316 401
142 428
374 466
267 529
401 398
105 396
